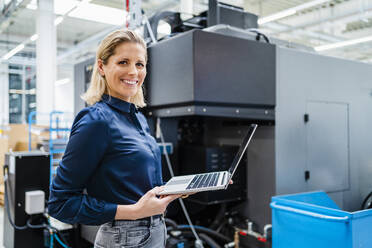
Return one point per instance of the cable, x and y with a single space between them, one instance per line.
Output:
170 223
59 241
51 240
259 34
28 223
207 231
6 177
367 203
40 226
220 215
209 240
172 175
56 231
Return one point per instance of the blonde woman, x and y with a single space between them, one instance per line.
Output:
112 155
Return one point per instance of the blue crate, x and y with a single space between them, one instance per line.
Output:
313 220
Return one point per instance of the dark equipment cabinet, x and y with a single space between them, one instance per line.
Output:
202 159
210 74
27 171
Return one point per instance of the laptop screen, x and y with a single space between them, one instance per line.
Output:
242 149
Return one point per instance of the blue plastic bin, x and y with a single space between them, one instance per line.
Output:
313 220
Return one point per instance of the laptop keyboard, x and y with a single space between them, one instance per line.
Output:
204 180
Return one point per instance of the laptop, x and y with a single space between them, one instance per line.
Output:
208 181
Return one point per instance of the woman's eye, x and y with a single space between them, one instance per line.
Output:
140 65
123 62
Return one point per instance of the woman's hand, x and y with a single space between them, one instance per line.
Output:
150 204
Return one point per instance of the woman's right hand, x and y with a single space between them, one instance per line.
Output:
149 204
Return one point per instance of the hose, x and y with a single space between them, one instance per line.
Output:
59 241
204 237
208 231
5 171
171 223
209 240
367 203
220 215
51 241
40 226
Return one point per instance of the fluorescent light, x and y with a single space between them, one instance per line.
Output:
58 20
310 4
62 7
13 51
164 28
85 10
276 16
343 43
62 81
32 5
34 37
99 13
290 11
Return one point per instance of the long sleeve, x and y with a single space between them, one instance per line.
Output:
85 150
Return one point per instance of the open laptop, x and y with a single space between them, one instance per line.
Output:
208 181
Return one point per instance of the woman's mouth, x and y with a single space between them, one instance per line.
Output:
130 82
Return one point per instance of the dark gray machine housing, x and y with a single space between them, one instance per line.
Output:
205 73
27 171
323 110
222 13
82 75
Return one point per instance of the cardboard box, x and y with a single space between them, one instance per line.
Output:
15 137
3 150
18 135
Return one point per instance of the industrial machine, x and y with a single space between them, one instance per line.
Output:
26 222
27 188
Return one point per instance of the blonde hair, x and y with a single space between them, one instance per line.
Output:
98 84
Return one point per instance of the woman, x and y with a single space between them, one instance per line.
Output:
112 155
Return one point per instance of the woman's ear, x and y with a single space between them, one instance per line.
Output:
100 67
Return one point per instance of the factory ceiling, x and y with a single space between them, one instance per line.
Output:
341 28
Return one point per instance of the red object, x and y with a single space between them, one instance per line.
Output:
262 239
243 233
127 9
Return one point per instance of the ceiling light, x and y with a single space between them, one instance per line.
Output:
62 81
276 16
32 5
99 13
13 51
164 28
85 10
289 12
343 43
34 37
62 7
58 20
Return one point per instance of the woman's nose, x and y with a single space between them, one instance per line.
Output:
132 70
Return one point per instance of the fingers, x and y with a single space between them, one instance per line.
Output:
157 190
169 198
231 182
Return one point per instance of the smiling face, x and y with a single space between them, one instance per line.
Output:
125 70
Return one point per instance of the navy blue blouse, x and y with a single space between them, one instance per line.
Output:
112 155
